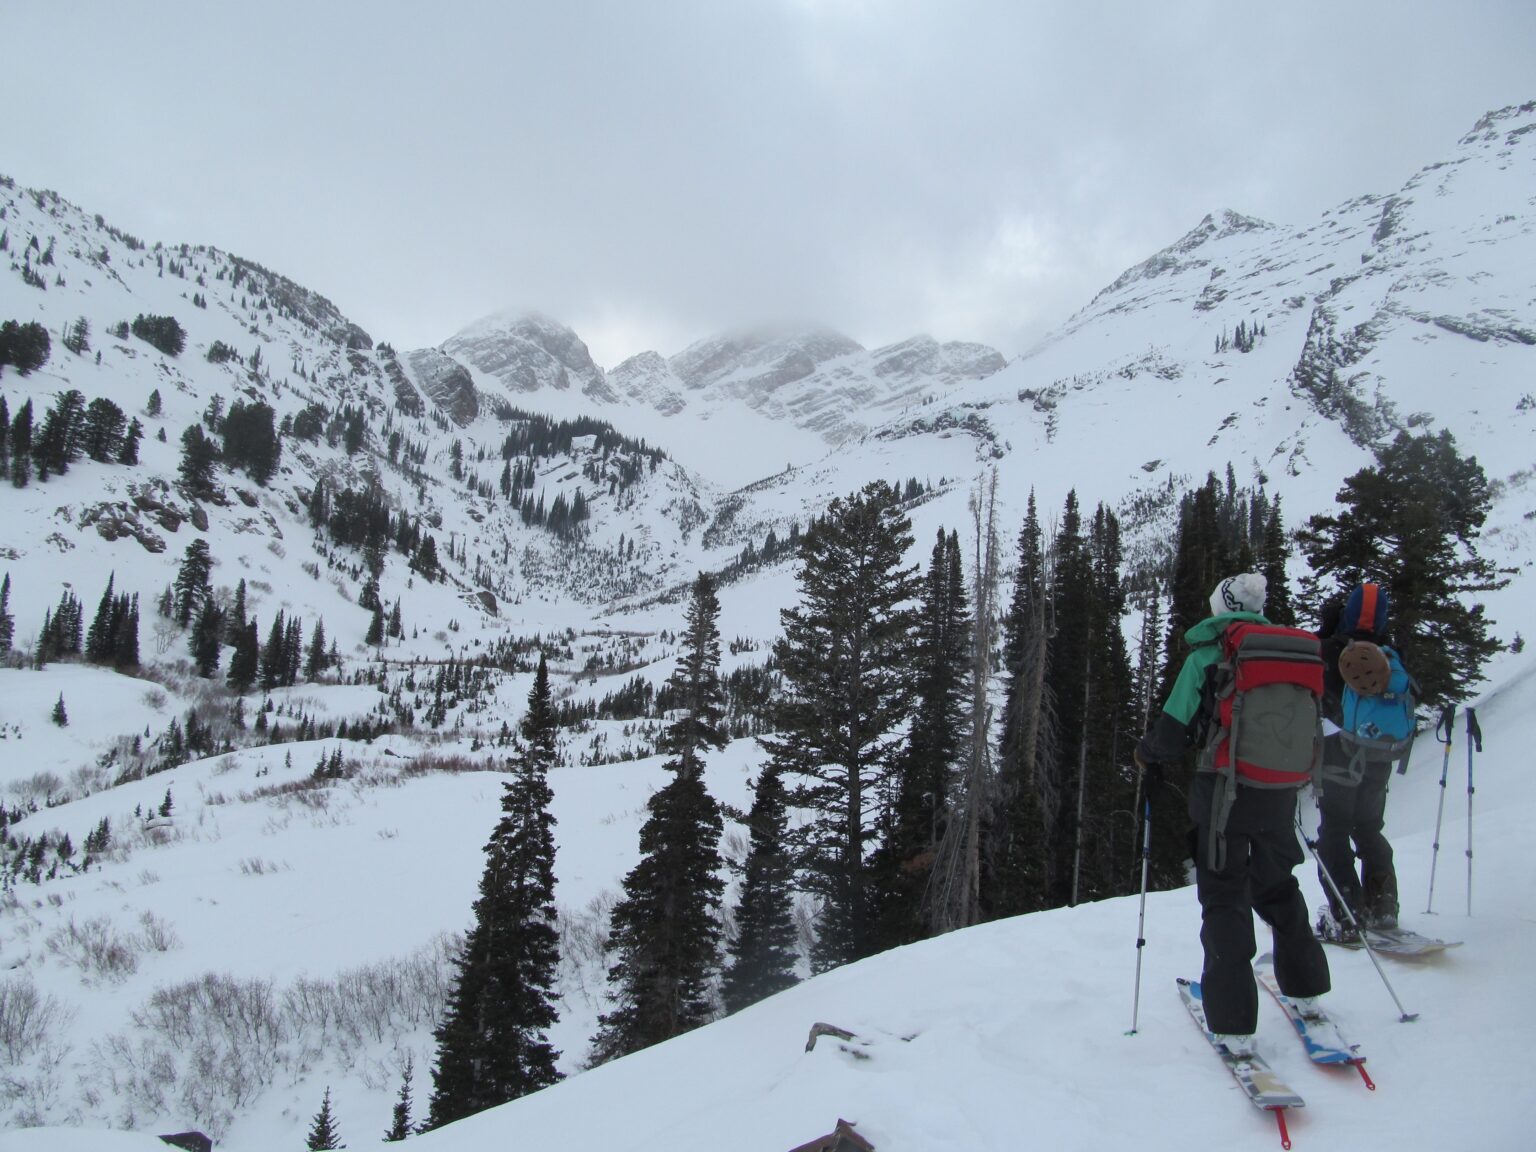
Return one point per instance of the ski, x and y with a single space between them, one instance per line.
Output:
1255 1077
1400 942
1321 1037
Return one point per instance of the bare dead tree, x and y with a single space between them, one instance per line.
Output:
955 882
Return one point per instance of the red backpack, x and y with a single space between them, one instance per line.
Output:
1266 719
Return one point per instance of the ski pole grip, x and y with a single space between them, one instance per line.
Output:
1447 719
1474 733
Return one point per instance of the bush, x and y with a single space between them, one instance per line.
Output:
26 1019
97 949
161 332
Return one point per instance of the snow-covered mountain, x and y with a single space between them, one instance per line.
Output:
781 396
1413 309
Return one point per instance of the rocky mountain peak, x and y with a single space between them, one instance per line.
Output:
526 352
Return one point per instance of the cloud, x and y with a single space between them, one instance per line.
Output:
976 170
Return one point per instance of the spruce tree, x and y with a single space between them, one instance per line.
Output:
1411 523
1014 873
1070 659
125 631
274 655
762 957
323 1133
244 659
926 771
665 932
845 659
1274 550
315 659
7 621
100 640
400 1125
21 446
492 1045
207 639
129 453
192 587
60 714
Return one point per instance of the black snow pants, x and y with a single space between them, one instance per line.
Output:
1349 826
1262 854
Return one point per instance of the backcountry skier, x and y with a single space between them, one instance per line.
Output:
1368 702
1245 848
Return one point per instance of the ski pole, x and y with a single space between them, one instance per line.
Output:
1141 919
1405 1016
1446 725
1474 736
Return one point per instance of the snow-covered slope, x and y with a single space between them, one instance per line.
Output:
1011 1031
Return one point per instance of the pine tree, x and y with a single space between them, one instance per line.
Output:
129 453
1015 872
199 455
315 659
927 770
207 639
7 621
244 659
101 639
274 655
400 1126
192 587
845 658
125 632
763 953
323 1133
1274 551
665 932
492 1045
60 714
1410 523
21 446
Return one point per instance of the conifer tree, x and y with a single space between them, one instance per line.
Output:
21 445
315 658
199 455
100 641
926 770
207 638
192 587
323 1133
845 658
763 954
125 630
400 1125
7 621
274 655
60 715
129 453
665 932
234 622
245 658
492 1045
1411 522
1274 550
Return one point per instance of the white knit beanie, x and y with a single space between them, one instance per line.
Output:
1241 593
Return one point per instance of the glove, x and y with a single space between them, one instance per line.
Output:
1151 776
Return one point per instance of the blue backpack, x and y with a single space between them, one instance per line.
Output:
1380 729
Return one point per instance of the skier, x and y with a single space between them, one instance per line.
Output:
1353 802
1246 865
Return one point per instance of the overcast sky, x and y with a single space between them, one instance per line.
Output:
653 171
